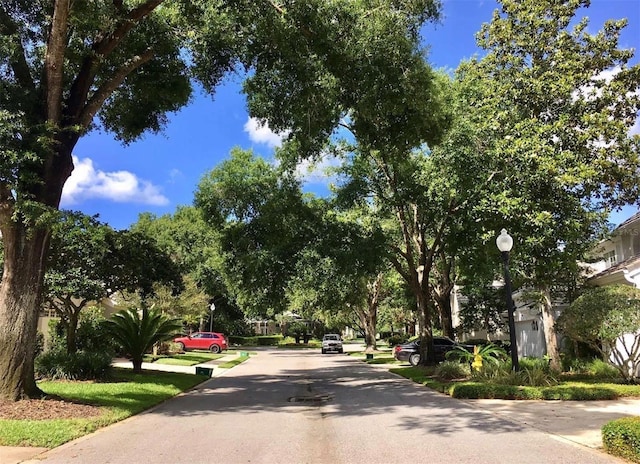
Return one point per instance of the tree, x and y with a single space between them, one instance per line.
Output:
608 320
69 67
191 243
136 331
263 224
342 271
89 261
79 268
553 105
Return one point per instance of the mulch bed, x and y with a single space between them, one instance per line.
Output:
47 408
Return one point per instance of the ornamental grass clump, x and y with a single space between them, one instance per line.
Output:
449 370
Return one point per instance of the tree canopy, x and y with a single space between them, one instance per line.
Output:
69 67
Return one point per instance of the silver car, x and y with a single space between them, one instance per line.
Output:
331 342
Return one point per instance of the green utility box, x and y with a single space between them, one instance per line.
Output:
208 371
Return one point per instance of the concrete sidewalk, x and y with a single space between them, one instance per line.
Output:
576 421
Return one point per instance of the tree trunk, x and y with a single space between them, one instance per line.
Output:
549 323
137 365
72 326
443 302
369 324
427 353
20 294
25 249
441 291
369 316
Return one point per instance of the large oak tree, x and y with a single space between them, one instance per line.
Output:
68 67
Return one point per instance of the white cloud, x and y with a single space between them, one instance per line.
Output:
120 186
318 172
259 133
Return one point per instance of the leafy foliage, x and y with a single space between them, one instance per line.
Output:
608 319
136 333
81 365
621 438
89 261
450 370
488 354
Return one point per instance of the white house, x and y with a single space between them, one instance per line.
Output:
619 261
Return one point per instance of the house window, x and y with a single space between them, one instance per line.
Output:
610 258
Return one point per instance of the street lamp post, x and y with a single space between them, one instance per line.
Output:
505 243
212 308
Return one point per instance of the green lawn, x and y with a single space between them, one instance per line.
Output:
190 358
123 397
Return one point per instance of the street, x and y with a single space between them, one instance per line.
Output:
304 407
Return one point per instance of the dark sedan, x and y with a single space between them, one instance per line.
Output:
410 351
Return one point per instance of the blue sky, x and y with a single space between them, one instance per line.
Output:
158 173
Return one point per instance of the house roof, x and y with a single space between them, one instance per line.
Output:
630 262
634 218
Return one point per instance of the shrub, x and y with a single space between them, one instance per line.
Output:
603 370
82 365
537 376
622 438
396 340
269 340
243 341
452 370
488 354
39 344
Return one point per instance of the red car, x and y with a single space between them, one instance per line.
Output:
212 341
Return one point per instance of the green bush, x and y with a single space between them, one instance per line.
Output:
269 340
533 373
452 370
82 365
622 438
396 340
243 341
603 370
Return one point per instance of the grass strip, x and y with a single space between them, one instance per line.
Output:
126 395
234 362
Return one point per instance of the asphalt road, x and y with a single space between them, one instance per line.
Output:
303 407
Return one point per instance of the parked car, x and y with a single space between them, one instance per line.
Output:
410 351
331 342
212 341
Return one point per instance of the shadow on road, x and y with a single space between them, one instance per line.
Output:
342 387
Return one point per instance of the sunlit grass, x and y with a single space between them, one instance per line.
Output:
234 362
123 397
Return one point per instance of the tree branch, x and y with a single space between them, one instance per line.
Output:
106 45
18 61
98 98
54 60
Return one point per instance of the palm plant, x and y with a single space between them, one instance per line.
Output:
137 331
488 354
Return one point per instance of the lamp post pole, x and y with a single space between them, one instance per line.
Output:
212 308
505 243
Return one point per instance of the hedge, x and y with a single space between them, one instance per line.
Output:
621 438
473 390
255 341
